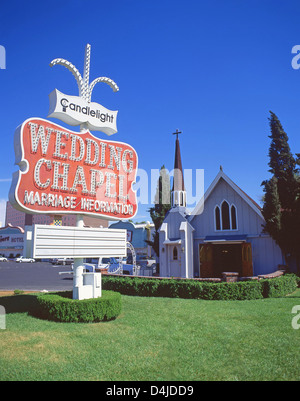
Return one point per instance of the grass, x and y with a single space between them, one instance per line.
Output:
155 339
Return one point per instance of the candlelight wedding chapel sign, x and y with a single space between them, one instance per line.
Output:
66 172
63 171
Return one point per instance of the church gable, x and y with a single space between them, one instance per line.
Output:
174 220
227 210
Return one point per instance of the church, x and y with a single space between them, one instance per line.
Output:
222 234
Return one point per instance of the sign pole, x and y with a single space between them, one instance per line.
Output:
78 266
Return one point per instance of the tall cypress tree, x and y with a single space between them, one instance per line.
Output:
272 209
281 203
282 163
162 204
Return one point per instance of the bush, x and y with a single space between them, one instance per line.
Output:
18 292
232 291
194 289
61 307
280 286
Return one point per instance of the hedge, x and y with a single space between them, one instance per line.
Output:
194 289
280 286
61 307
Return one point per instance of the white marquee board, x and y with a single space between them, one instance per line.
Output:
77 242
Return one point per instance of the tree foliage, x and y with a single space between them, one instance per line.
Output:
281 208
162 204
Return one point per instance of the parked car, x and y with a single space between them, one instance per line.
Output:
22 259
101 263
3 259
142 260
62 261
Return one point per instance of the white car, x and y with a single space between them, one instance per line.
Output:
62 261
3 259
25 260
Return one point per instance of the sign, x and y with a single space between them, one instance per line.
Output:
75 110
78 110
11 240
77 242
63 172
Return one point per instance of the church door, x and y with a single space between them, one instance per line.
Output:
175 263
247 265
206 260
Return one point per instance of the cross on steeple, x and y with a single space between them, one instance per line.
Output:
177 133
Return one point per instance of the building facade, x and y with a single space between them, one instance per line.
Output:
16 222
20 219
137 235
224 233
11 241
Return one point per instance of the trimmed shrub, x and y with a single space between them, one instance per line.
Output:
18 292
232 291
62 308
280 286
194 289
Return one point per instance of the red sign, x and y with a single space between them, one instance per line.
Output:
63 172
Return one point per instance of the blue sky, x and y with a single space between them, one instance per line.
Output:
212 69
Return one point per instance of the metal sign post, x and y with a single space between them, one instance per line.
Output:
78 267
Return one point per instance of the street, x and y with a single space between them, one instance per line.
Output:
36 276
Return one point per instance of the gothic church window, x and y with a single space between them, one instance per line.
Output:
175 253
233 218
225 217
218 218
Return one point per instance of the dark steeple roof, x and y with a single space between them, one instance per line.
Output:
178 184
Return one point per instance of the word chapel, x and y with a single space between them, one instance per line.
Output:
77 171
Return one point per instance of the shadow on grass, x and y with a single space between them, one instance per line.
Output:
20 304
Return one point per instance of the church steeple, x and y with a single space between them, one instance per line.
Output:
178 194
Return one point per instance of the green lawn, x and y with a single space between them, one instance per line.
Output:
156 339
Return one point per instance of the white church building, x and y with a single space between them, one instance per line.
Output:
222 234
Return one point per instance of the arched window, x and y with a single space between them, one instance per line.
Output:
225 216
217 218
233 218
175 253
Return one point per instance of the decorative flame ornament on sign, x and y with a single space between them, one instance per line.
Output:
76 110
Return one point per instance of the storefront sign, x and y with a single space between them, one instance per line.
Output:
63 172
10 240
